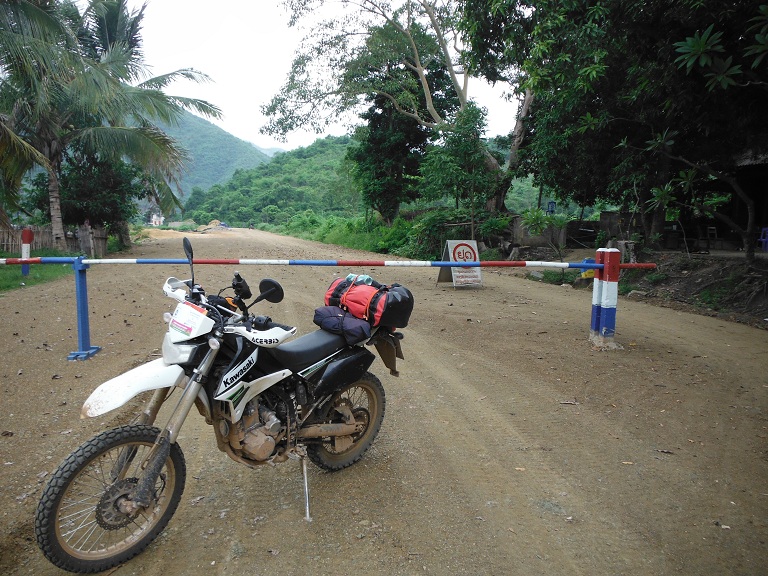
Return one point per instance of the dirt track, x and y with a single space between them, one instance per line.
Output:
509 446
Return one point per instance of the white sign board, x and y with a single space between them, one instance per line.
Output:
461 251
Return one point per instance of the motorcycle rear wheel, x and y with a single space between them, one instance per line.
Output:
78 525
366 400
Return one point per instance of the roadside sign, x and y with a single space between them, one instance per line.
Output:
461 251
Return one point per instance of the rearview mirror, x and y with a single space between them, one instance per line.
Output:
270 290
188 251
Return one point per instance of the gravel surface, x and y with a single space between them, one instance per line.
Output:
510 445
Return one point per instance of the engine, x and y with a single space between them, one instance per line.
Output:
257 432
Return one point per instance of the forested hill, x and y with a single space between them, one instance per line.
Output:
307 180
215 153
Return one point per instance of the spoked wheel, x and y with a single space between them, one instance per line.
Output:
364 400
80 523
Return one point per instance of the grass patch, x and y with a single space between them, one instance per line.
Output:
656 277
491 255
12 279
556 277
713 297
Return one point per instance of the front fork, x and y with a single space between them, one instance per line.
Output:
141 495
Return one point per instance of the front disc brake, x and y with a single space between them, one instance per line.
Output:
108 513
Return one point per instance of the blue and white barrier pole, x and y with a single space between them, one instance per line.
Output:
607 267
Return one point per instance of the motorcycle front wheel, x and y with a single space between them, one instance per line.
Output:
79 525
365 398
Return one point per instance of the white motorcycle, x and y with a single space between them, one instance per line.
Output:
266 396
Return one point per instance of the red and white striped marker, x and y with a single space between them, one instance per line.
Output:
27 236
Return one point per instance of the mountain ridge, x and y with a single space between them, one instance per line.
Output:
215 154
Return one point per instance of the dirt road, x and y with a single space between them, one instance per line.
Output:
509 445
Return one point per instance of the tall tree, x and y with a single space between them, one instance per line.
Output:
322 84
31 38
387 158
93 103
392 144
497 33
629 93
458 165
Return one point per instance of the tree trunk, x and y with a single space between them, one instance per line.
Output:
123 234
57 223
51 149
496 202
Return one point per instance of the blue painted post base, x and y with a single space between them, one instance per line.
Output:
83 354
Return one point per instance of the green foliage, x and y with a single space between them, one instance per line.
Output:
12 279
629 281
557 277
491 255
601 239
432 229
387 158
103 192
494 226
656 277
699 49
458 166
607 75
535 220
214 154
713 296
282 191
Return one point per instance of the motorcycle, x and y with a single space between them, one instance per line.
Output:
267 397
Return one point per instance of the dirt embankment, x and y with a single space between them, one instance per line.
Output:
509 446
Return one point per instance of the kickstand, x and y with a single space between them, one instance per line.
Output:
301 453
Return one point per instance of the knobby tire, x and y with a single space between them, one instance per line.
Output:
78 525
367 401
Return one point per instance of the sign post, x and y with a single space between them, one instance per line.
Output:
461 251
27 236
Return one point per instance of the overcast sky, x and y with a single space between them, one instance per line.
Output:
246 47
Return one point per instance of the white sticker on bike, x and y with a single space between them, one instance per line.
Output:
187 318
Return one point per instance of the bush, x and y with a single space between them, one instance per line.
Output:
492 254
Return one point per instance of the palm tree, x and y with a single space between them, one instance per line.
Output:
95 103
30 40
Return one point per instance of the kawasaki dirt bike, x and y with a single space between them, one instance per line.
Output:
266 400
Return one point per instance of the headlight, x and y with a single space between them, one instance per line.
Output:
177 353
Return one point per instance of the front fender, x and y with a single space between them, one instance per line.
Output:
117 391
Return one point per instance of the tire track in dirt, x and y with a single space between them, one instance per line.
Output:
479 395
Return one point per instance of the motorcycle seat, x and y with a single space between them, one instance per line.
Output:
306 350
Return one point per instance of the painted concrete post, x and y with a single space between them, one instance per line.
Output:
26 242
597 295
605 297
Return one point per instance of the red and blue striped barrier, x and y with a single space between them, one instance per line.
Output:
605 291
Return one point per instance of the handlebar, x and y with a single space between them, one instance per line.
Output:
241 288
265 323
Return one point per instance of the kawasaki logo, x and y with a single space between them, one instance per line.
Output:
239 371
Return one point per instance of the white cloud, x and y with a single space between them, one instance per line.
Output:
246 47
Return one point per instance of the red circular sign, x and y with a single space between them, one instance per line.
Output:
27 236
463 252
